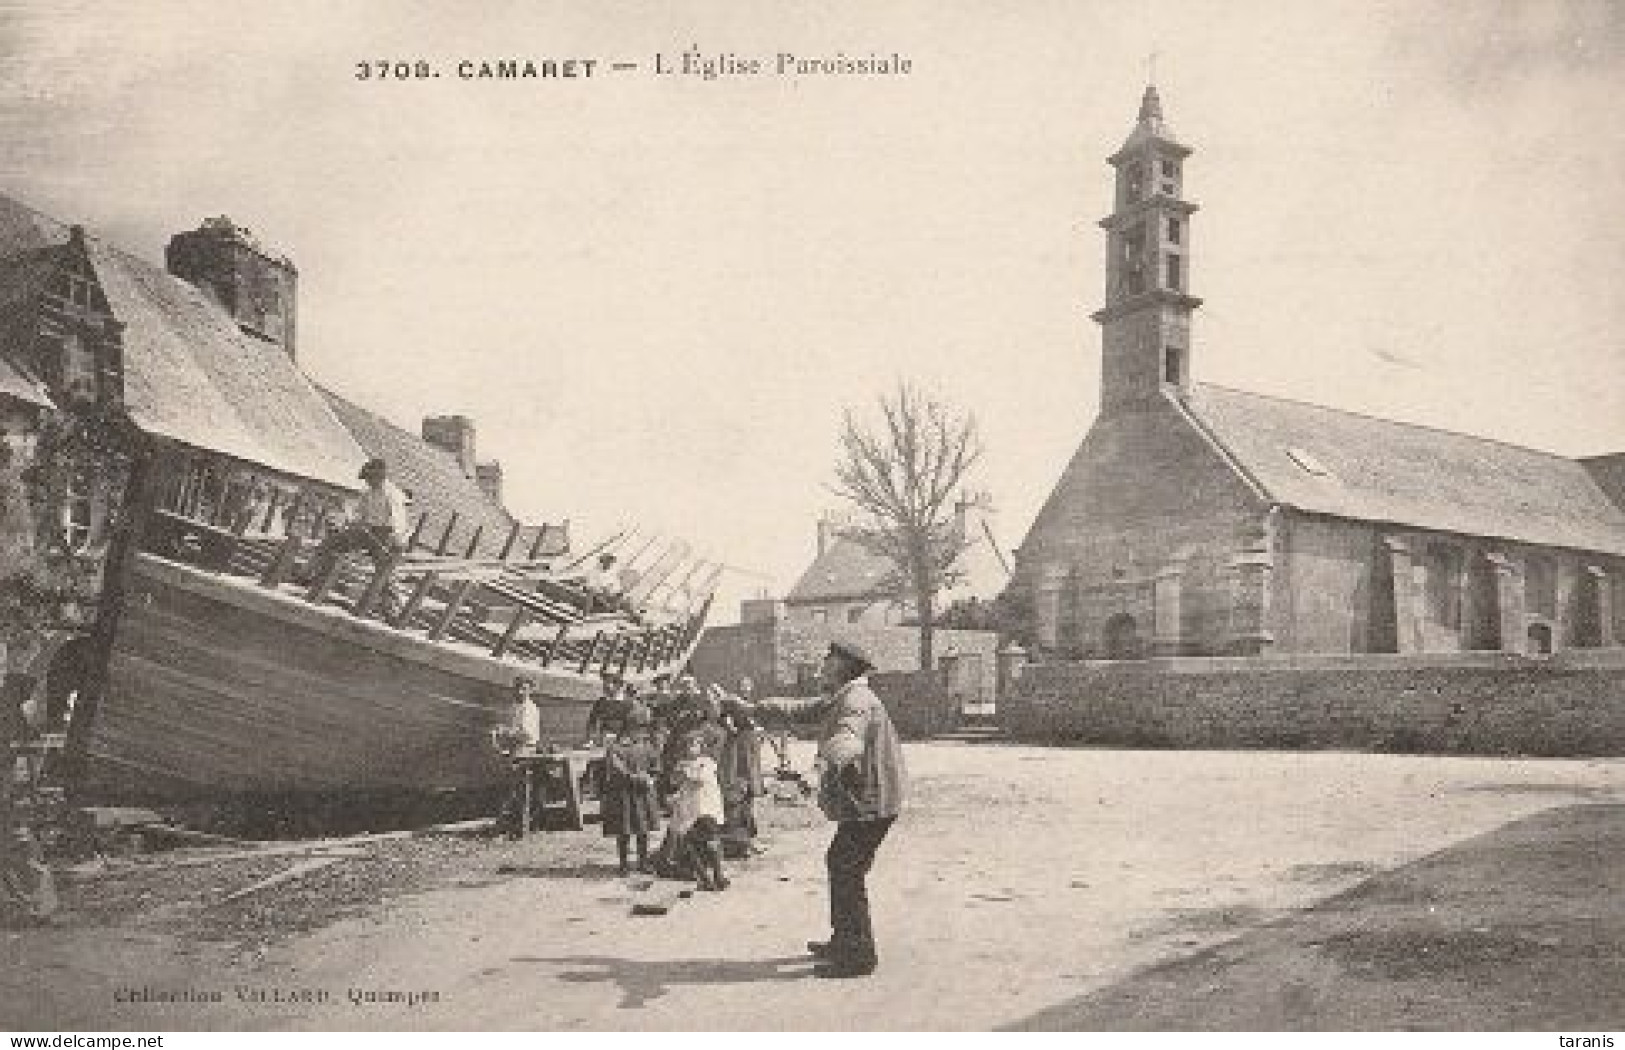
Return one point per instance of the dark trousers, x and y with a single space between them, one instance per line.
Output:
851 854
377 542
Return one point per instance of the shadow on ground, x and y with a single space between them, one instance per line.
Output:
1520 928
642 980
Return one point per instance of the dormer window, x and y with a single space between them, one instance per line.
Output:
1174 230
1173 272
1307 462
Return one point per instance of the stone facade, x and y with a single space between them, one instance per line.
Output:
1199 521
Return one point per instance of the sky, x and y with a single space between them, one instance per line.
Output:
655 294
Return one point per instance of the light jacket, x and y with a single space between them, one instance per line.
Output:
861 757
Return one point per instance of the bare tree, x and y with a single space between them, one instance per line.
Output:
900 469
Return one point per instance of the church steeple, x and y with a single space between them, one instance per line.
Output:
1146 320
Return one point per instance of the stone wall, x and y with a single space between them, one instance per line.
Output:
918 702
782 658
730 652
1465 703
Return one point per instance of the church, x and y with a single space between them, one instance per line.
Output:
1197 520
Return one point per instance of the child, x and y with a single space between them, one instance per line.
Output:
696 812
630 808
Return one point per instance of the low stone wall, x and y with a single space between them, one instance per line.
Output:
917 701
1475 703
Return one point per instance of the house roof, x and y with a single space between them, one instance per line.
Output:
1326 461
190 374
848 571
438 487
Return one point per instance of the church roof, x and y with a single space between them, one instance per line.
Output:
190 374
1327 461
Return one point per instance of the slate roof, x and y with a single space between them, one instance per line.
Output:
846 571
1379 470
190 374
439 488
849 571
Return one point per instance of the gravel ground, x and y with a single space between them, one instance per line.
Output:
170 894
1025 886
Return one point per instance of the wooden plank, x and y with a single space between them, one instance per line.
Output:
474 542
417 530
319 587
553 649
507 546
554 612
420 592
445 537
453 607
521 616
281 565
302 868
592 650
381 578
536 545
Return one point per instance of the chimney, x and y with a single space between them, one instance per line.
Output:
829 529
489 477
259 290
454 434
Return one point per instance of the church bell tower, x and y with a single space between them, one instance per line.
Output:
1146 322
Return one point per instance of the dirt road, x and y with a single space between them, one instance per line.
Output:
1024 887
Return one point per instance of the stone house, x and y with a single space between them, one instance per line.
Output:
143 399
1200 520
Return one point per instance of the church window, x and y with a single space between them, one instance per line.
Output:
1173 365
1173 272
820 615
1170 178
1134 260
1442 565
1540 586
1134 181
854 614
1173 230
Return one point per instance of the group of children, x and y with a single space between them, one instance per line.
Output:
689 756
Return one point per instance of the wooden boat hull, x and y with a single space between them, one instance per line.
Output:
218 687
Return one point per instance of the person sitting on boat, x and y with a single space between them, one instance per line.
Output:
377 526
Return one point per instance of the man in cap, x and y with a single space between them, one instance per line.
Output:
861 789
377 527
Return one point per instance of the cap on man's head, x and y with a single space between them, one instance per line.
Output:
853 653
374 468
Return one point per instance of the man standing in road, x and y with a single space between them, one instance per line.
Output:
861 789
